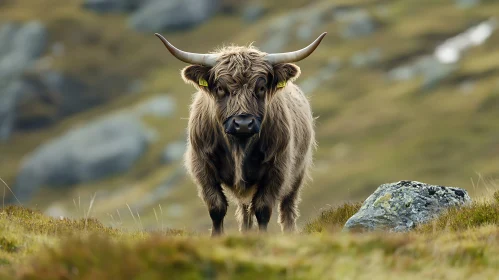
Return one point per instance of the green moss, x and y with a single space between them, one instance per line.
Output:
8 245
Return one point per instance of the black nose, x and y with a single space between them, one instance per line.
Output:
242 125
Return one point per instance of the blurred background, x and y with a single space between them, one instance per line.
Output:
93 110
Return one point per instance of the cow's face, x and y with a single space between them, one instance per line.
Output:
241 84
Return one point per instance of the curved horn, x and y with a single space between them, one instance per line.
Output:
295 56
192 58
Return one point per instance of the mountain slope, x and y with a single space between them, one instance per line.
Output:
439 126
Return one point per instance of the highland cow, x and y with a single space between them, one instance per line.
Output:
250 133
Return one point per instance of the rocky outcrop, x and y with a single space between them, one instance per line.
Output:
108 146
110 6
20 47
158 16
32 96
403 205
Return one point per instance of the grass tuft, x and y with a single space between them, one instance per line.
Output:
478 214
333 218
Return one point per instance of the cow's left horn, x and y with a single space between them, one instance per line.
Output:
276 58
192 58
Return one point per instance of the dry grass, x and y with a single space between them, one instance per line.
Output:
332 219
461 244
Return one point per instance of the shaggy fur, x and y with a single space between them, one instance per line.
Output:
268 169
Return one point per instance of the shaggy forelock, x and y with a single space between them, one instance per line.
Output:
237 70
237 65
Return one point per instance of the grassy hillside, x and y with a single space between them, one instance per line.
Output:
370 130
38 247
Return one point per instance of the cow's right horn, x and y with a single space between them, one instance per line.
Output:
192 58
276 58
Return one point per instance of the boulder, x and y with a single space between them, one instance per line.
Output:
401 206
110 6
157 15
108 146
355 23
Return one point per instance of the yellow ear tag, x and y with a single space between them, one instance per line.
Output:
281 84
203 82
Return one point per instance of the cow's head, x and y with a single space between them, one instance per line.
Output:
241 81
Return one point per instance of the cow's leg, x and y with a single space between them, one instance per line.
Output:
266 197
288 206
244 216
217 206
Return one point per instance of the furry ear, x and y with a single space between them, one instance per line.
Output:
193 73
286 72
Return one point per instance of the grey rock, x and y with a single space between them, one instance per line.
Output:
369 58
278 34
173 152
313 82
20 46
401 206
24 45
429 67
159 106
7 110
58 95
7 34
311 19
68 90
356 23
253 12
109 6
102 148
157 15
309 28
402 73
434 71
31 39
466 4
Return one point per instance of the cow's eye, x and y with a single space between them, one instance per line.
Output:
261 88
261 91
220 91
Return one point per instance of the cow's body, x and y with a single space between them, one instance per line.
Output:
250 133
250 169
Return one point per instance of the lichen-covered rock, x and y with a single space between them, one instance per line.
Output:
403 205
